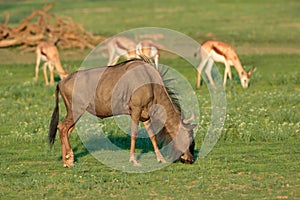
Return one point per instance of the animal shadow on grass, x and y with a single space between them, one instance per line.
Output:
78 152
115 143
110 143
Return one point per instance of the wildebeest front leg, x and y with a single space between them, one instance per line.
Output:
159 157
65 128
135 115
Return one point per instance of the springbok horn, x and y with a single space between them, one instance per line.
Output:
251 71
186 121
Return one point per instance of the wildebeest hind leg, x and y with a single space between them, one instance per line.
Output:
65 128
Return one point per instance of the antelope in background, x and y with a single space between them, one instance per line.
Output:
122 46
218 51
48 52
149 49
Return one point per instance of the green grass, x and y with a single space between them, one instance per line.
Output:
257 155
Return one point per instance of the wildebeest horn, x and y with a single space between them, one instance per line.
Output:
186 121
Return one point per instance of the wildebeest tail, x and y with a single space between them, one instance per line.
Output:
54 119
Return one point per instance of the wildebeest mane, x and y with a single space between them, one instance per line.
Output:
162 137
169 85
163 71
168 82
141 58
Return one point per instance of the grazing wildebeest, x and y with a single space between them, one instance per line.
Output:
134 88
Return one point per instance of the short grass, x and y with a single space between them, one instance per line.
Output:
257 155
255 25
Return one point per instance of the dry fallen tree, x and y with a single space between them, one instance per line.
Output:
42 26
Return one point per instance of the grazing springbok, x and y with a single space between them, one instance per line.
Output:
48 52
134 88
218 51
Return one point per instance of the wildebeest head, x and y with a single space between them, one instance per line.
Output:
187 130
181 145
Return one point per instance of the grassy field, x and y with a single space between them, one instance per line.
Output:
257 155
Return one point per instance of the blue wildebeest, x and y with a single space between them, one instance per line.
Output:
134 88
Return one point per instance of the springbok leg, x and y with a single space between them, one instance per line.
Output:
199 70
38 60
208 72
51 69
45 73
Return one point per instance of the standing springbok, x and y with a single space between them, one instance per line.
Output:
132 87
218 51
149 49
48 52
121 46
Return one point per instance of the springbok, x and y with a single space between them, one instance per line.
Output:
48 52
133 87
218 51
149 49
121 46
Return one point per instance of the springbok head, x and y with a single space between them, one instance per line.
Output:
245 77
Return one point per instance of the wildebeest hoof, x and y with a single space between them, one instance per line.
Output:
134 162
69 160
68 164
160 158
